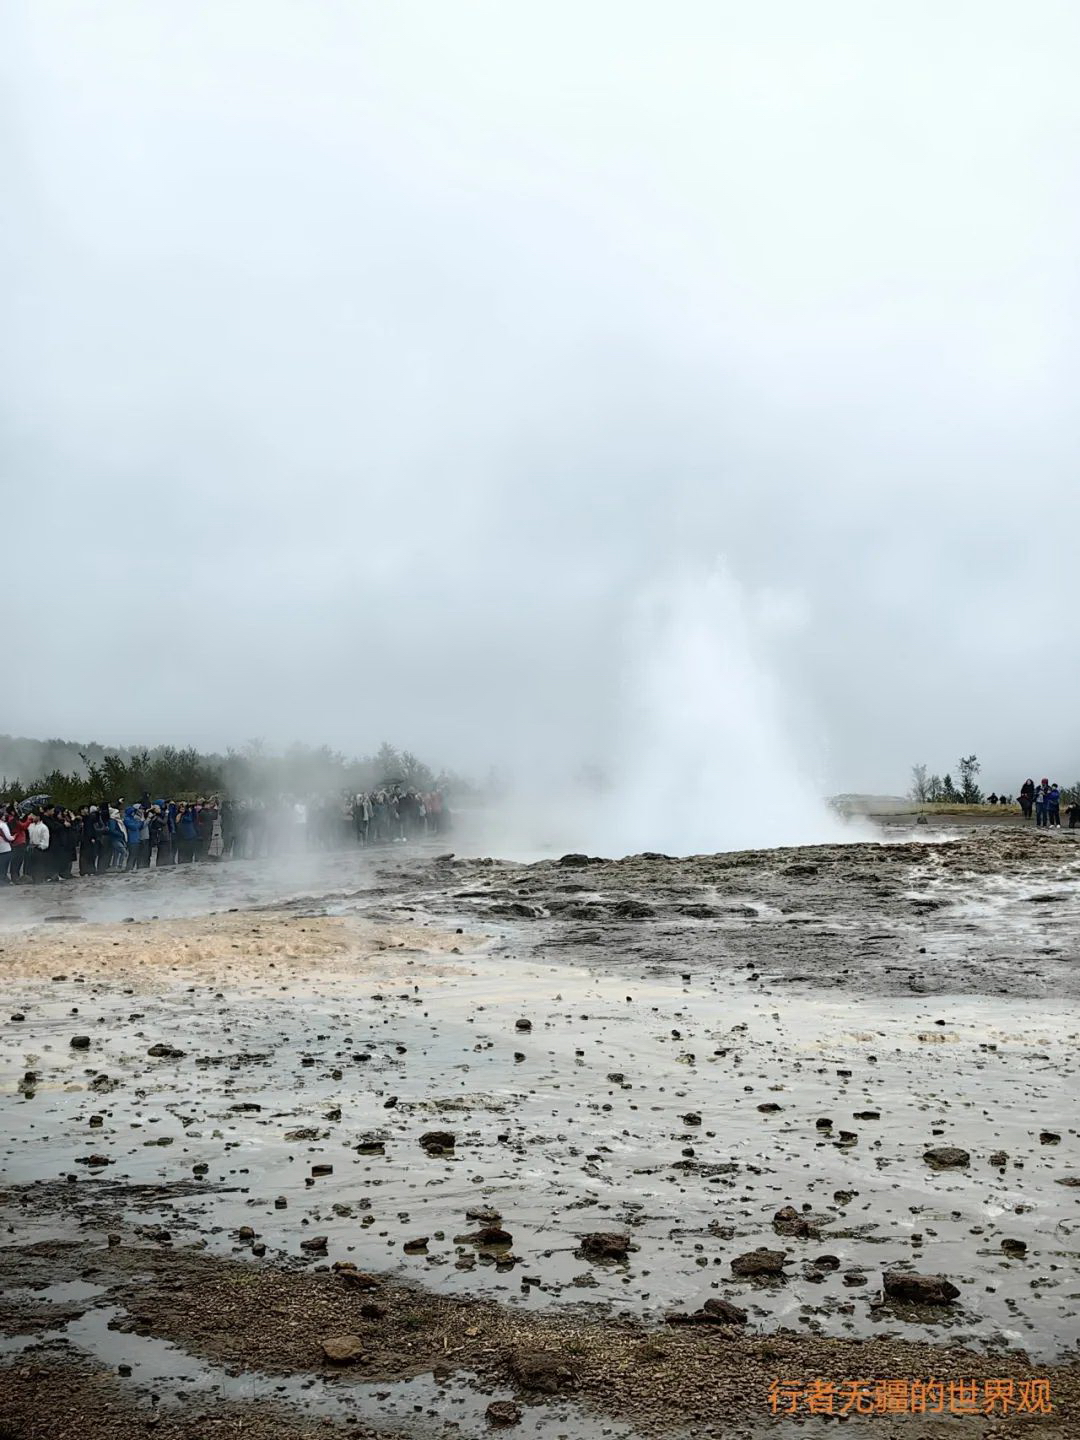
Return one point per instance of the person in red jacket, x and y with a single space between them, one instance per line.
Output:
18 827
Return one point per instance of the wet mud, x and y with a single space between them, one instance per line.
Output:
400 1105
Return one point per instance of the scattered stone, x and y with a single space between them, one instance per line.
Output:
316 1244
161 1051
417 1246
946 1157
1014 1247
437 1142
759 1262
919 1289
523 1024
487 1235
80 1042
999 1159
342 1349
604 1245
1049 1137
503 1412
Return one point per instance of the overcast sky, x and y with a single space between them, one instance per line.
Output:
364 363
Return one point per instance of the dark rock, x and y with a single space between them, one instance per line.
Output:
947 1157
919 1289
488 1235
1014 1247
725 1312
523 1024
417 1246
999 1159
1049 1137
162 1051
605 1245
316 1244
80 1042
759 1262
322 1169
437 1142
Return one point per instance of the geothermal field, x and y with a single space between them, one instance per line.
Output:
423 1145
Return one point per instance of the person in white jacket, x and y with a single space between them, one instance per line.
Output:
5 852
37 839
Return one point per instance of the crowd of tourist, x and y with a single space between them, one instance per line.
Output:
48 842
1044 802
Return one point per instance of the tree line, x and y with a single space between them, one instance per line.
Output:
253 772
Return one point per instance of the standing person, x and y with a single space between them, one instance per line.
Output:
159 830
1027 798
1041 792
87 839
187 835
117 839
133 823
67 845
1053 806
216 848
37 839
5 853
204 828
18 825
102 838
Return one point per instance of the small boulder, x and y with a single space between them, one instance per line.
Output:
919 1289
503 1413
946 1157
80 1042
759 1262
605 1245
437 1142
342 1349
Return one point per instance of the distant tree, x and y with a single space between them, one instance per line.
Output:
970 793
950 795
934 789
919 785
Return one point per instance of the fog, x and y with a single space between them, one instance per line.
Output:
394 371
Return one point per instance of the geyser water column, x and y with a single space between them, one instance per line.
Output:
707 755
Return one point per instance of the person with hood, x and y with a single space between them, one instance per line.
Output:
158 826
117 838
187 835
133 824
1053 806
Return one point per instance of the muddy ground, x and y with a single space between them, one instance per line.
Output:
390 1097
